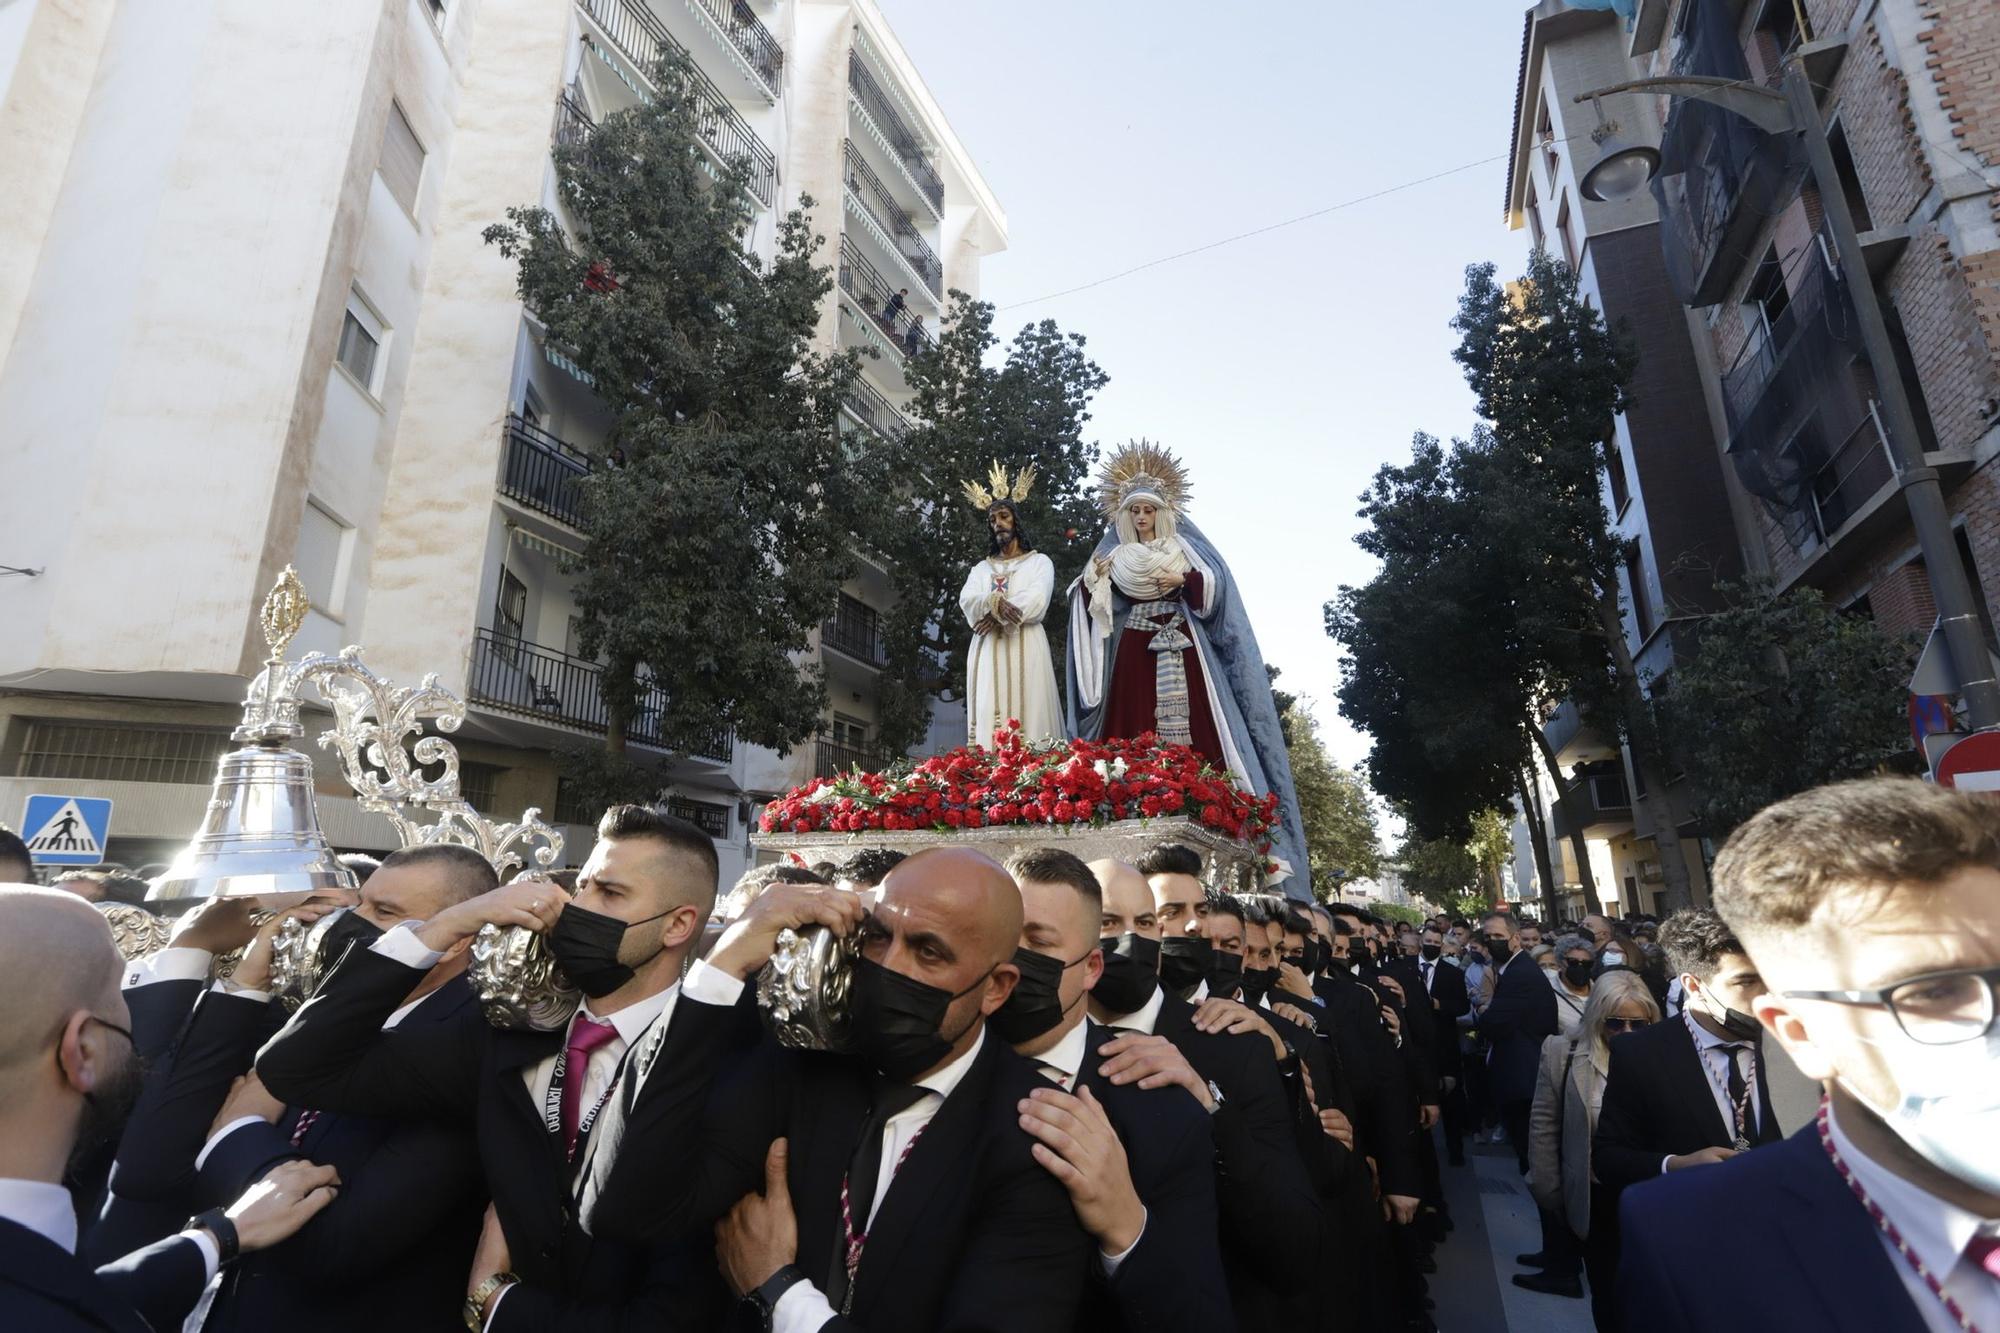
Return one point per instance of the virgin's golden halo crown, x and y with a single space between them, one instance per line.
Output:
1142 466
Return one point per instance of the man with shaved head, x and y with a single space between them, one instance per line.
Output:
67 1078
890 1189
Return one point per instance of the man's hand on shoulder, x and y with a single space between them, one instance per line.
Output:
1075 1143
747 944
1151 1061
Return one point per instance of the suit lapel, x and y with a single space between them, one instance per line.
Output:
1836 1244
825 1128
1768 1129
35 1263
1699 1097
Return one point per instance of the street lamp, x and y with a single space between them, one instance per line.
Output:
1622 170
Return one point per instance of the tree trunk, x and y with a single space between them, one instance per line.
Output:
615 687
1648 763
1579 848
1538 840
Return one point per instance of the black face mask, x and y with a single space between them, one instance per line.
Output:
585 946
1313 958
1184 961
1131 972
1258 982
1501 951
1735 1024
1432 952
1036 1004
1225 972
897 1020
350 930
1577 972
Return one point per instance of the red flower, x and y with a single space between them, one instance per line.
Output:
954 818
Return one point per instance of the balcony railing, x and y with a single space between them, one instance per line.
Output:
748 34
908 148
573 123
862 281
877 412
879 204
542 472
1854 473
856 629
512 675
636 31
831 760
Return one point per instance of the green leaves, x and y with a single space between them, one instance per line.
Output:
1333 803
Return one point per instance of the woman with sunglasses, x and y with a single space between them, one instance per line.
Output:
1568 1092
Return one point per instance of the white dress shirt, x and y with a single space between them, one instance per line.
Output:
48 1211
177 963
1715 1064
1937 1232
804 1308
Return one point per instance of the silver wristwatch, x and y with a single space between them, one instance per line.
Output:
1215 1093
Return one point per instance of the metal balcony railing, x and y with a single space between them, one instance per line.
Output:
1854 473
864 282
543 472
908 148
879 204
573 123
877 412
636 31
511 675
856 629
748 34
831 760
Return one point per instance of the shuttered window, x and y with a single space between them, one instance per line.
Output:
402 162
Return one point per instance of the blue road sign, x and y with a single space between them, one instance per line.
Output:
66 830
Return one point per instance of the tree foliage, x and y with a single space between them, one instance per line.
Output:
1333 804
1782 694
721 544
1440 869
1028 406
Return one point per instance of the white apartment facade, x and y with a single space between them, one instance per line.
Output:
247 320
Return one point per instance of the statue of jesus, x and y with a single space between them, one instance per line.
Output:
1009 672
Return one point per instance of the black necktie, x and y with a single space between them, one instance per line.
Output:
890 1099
1743 1127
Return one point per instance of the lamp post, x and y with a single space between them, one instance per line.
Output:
1623 170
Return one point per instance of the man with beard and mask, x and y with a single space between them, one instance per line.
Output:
898 1189
1009 673
1872 912
1136 1161
542 1107
68 1078
395 1254
1514 1022
1271 1219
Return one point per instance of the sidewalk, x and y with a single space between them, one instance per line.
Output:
1495 1220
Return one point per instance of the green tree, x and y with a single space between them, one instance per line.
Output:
1491 844
1333 803
1026 407
722 542
1782 694
1440 869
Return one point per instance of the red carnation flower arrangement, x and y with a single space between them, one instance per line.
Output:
1090 783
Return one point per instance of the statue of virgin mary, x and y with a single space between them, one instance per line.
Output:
1159 642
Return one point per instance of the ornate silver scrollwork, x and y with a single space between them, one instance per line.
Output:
805 992
135 931
517 980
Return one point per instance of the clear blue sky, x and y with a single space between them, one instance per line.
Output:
1285 368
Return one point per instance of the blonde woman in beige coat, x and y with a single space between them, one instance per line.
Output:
1569 1089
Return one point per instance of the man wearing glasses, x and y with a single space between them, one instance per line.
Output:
1872 911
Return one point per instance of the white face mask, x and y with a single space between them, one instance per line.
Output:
1613 958
1950 1109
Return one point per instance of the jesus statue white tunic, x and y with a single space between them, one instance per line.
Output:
1009 673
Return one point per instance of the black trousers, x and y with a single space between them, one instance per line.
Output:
1514 1119
1600 1258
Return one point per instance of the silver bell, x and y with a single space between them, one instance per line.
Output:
260 837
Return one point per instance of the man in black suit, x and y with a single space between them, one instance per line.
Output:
1270 1217
396 1253
1522 1013
898 1189
536 1104
1137 1162
68 1076
1872 911
1445 984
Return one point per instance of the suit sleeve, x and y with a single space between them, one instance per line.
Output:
1649 1293
1172 1280
1262 1193
159 1009
659 1306
1545 1127
335 1056
1450 995
180 1100
162 1282
1620 1153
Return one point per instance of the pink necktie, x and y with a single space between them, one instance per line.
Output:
1985 1251
585 1036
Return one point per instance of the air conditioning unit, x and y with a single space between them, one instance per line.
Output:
1651 872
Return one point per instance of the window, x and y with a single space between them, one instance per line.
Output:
1534 211
1568 235
1767 298
401 164
510 610
1614 473
107 752
533 410
1545 135
1635 578
321 557
1860 608
359 351
1850 179
849 731
479 784
708 816
435 8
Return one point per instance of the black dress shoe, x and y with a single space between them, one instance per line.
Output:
1538 1259
1550 1285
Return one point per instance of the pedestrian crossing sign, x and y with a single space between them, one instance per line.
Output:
66 830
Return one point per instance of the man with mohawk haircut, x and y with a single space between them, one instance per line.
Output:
1009 672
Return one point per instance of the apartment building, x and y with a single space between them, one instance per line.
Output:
247 320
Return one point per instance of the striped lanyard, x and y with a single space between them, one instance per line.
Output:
1741 1104
1951 1307
857 1240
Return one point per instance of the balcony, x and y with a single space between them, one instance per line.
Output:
830 760
641 38
511 675
871 409
1594 803
855 629
1720 178
870 294
897 231
543 473
752 40
894 132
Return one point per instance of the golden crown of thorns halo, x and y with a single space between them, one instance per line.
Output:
998 489
1142 466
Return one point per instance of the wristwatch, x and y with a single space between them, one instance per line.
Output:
217 1224
764 1299
475 1304
1215 1093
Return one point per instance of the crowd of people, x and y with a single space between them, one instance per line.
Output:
1072 1095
